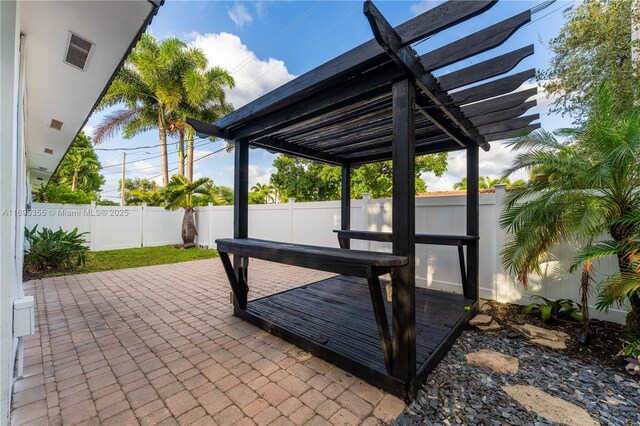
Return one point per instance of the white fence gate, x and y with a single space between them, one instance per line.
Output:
437 267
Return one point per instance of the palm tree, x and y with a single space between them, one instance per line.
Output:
179 194
150 87
581 189
204 99
484 182
81 160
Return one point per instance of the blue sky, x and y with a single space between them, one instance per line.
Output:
267 43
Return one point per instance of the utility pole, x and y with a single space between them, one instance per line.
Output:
124 160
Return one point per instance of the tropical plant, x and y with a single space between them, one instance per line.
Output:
265 194
582 188
204 99
632 353
306 180
594 45
560 308
77 180
49 249
180 194
150 87
487 182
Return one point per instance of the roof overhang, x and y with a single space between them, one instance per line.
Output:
58 91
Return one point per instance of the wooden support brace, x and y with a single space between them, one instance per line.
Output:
381 319
238 286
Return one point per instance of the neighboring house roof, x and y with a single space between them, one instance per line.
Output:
56 90
451 193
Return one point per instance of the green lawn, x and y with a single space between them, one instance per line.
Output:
132 258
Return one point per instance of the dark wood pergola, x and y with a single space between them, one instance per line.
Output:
379 101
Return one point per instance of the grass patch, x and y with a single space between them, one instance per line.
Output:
108 260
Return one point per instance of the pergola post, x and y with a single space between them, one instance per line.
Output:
241 211
404 295
345 205
473 223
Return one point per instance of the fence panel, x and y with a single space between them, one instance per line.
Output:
437 267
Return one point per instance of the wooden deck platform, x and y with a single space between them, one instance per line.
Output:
334 319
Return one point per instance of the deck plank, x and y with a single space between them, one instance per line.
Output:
337 313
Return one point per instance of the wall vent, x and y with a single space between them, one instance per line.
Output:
56 124
78 51
48 151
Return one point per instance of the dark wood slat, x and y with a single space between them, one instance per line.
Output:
493 88
424 25
513 133
471 284
505 114
241 208
295 150
429 148
334 316
474 44
434 239
444 112
239 291
484 70
403 222
342 96
345 203
349 262
505 126
381 320
463 269
498 104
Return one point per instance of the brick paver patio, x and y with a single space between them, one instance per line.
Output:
159 345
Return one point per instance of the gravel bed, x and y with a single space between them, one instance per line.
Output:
459 393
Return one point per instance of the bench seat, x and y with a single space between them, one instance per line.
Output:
357 263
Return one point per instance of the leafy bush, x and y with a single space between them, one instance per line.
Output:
555 308
53 249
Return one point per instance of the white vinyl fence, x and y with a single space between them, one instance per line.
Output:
437 267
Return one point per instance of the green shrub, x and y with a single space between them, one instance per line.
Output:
555 308
54 249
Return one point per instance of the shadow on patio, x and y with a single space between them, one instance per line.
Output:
159 345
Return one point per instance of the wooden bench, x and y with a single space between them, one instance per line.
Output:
355 263
344 236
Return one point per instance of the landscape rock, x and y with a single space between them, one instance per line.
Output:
457 393
550 407
532 331
496 361
493 326
484 306
480 320
551 344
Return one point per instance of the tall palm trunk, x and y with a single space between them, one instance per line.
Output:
189 174
162 130
189 230
74 180
181 152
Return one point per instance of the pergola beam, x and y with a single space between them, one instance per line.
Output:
428 23
405 58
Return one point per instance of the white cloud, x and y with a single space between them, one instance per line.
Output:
261 10
89 130
424 5
253 76
239 15
259 175
492 163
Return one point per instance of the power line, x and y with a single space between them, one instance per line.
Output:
156 156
